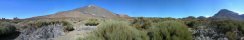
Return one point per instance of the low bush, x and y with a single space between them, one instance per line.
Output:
6 27
231 35
141 23
241 27
225 26
196 23
170 30
116 30
40 23
92 22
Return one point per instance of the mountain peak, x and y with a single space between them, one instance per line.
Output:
227 14
92 6
225 11
86 12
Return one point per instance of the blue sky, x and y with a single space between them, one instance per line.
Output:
134 8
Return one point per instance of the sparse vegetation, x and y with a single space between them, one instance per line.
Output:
40 23
231 35
142 23
6 27
170 30
225 26
241 27
116 30
92 22
167 29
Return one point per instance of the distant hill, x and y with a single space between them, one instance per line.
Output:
90 11
225 14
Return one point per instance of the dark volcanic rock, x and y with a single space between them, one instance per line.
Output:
242 16
43 33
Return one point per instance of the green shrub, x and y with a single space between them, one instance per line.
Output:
146 22
170 30
92 22
192 23
68 26
241 27
232 29
196 23
116 30
231 35
141 23
6 27
225 26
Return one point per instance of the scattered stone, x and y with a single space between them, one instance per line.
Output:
43 33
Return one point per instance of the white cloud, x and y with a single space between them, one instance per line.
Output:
207 16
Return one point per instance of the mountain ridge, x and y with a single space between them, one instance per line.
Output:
225 14
89 11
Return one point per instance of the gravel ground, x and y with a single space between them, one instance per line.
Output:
80 31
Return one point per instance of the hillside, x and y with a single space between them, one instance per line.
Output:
225 14
90 11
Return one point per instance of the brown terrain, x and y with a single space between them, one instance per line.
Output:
90 11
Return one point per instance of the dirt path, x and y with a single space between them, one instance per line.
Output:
80 31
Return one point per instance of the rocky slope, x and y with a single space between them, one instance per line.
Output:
90 11
225 14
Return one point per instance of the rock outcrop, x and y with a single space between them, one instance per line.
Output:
211 33
43 33
207 33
